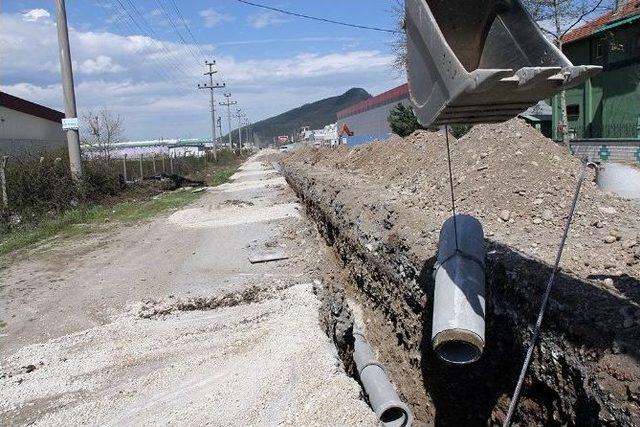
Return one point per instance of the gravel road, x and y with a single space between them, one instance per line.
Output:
168 323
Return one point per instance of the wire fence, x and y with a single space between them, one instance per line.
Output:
611 130
41 184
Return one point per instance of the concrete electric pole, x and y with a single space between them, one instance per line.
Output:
211 88
239 115
229 103
70 124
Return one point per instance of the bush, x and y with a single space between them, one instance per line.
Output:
402 121
40 184
459 131
101 178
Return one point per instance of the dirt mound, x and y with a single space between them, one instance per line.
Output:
381 207
516 181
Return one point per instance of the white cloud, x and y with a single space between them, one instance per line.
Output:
152 83
35 15
101 64
266 19
212 18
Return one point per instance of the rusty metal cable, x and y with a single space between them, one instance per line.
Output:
545 299
453 196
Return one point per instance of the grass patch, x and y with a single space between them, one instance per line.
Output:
135 204
88 219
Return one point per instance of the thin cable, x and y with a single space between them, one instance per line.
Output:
315 18
545 300
184 42
453 196
185 24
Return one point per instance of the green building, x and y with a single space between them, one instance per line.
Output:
608 105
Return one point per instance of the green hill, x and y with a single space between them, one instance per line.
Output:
315 115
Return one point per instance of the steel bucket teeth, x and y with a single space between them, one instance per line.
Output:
474 61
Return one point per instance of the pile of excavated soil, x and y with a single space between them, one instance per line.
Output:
382 205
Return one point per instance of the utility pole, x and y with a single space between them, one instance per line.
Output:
211 87
71 115
220 126
239 116
229 103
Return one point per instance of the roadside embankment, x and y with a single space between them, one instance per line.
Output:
381 207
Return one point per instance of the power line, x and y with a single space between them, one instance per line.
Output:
151 33
316 18
186 25
177 31
166 73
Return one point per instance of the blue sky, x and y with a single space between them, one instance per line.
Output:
143 71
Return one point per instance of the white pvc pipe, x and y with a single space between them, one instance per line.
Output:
384 400
459 294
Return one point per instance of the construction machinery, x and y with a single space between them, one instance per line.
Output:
481 61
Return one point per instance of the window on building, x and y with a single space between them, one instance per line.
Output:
600 49
573 110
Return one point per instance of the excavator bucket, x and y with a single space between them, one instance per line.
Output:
481 61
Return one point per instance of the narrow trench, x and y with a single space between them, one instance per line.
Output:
393 292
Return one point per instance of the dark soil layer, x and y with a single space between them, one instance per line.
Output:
381 208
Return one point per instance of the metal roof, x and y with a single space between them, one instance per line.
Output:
28 107
609 20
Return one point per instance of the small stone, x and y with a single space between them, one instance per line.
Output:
505 215
610 239
607 210
547 215
628 323
537 201
628 244
537 220
608 282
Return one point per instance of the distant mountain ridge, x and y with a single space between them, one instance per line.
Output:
315 115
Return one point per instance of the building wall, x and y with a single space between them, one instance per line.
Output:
608 105
21 132
372 124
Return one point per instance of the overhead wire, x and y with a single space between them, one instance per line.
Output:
164 72
173 25
185 24
317 18
151 33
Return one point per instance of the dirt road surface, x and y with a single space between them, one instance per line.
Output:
168 323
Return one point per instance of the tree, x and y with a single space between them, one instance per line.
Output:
402 120
398 41
556 18
101 129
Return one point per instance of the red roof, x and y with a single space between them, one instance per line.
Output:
31 108
631 7
393 95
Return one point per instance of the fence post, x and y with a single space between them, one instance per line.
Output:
3 181
141 168
124 167
155 172
171 163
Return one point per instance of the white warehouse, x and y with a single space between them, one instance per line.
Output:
27 127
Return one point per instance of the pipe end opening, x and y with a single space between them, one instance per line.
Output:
395 416
458 352
458 346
